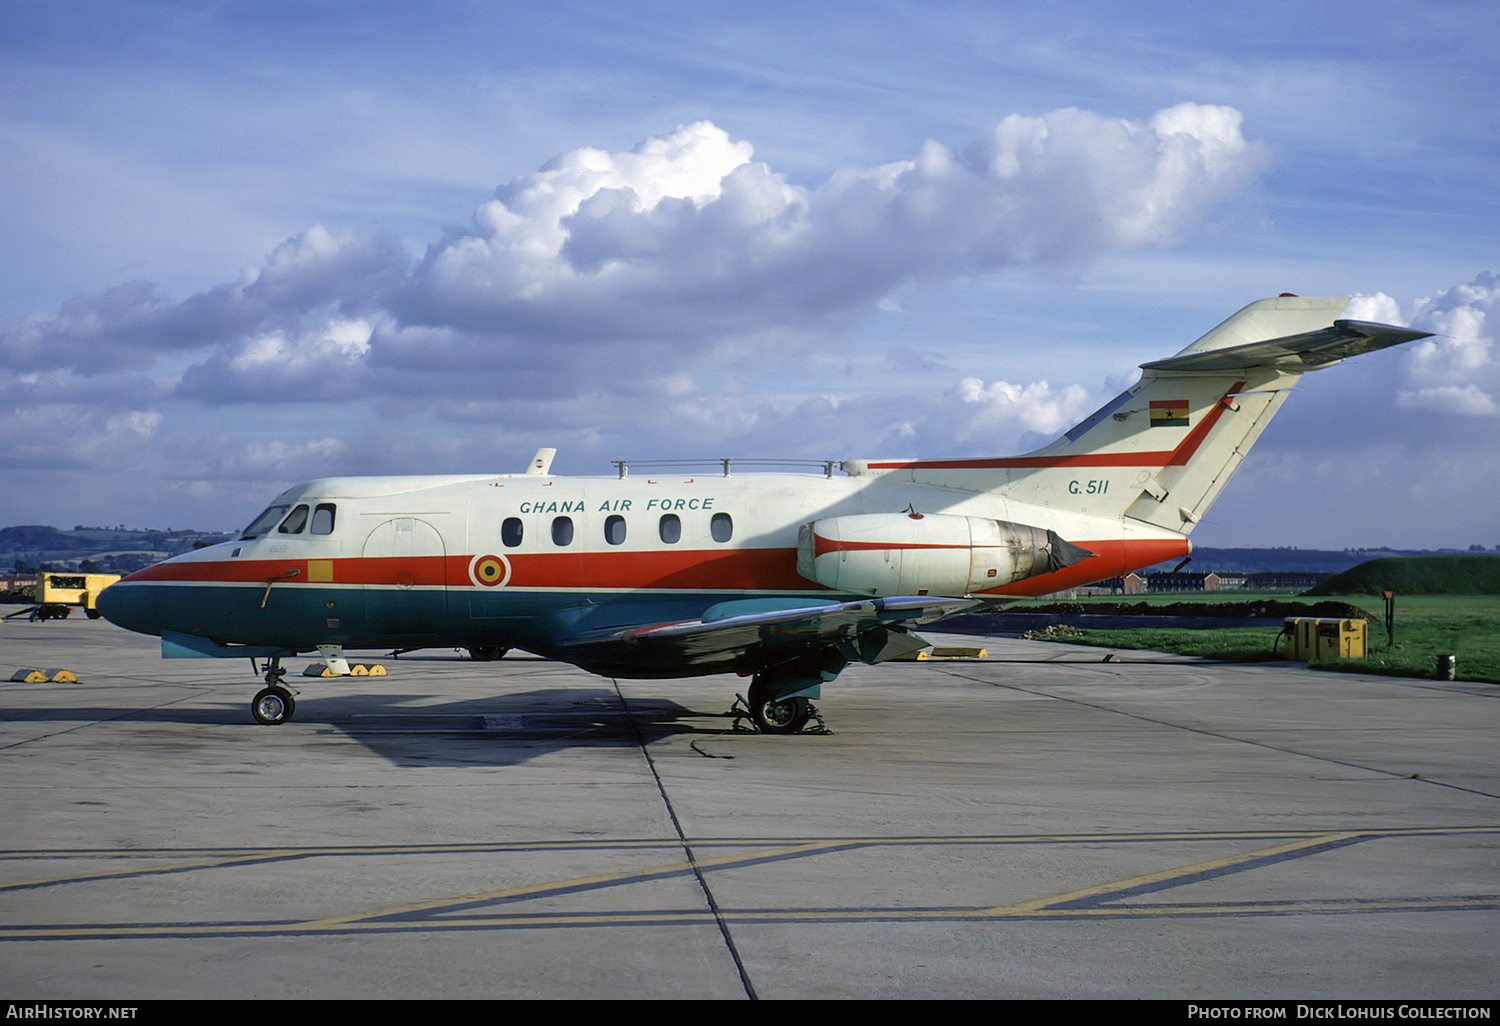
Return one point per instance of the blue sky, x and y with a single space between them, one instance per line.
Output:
254 243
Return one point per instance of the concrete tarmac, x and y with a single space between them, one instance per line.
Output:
1039 824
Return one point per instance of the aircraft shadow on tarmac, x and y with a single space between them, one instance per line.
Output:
505 729
412 729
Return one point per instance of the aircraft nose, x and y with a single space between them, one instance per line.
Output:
132 606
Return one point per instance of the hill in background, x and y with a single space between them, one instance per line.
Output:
114 549
1420 575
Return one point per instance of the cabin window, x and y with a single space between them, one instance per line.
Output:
562 531
614 530
511 532
323 518
722 527
295 521
670 528
263 523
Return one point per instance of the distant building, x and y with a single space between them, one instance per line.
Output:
1167 582
16 586
1284 581
1108 586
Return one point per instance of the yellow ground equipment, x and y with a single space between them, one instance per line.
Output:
923 655
28 675
57 593
1312 638
355 670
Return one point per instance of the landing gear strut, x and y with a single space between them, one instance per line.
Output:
274 703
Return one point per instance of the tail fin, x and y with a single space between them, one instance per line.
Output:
1161 451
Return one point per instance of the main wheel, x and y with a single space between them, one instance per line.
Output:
781 715
272 706
487 653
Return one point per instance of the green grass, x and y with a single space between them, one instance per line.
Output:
1466 626
1231 644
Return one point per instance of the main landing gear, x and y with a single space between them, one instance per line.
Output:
772 715
780 701
781 692
273 704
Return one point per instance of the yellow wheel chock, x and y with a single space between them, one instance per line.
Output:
53 676
355 670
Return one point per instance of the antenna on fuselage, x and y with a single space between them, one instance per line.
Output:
541 463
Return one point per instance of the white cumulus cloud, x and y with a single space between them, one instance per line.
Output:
686 236
1466 400
1455 371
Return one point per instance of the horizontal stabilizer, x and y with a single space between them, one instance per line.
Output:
1309 350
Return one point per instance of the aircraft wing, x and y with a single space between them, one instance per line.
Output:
871 630
1307 351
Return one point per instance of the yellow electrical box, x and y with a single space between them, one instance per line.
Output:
1310 638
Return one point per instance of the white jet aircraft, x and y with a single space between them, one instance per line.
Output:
783 577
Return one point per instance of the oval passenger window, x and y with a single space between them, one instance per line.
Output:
722 527
510 532
670 528
614 530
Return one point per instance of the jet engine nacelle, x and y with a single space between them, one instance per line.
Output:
885 554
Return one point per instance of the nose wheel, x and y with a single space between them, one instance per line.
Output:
273 704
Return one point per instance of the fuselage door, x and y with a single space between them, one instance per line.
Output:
404 571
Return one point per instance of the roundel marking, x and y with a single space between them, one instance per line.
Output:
489 571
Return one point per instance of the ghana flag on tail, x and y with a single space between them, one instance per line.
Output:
1169 413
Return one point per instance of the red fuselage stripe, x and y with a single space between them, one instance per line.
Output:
732 570
823 545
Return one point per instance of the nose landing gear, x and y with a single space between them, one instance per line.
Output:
274 703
